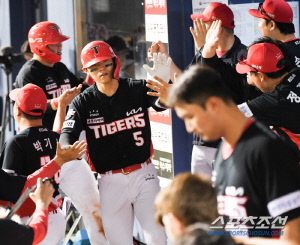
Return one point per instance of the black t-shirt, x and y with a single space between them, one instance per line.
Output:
279 108
260 178
53 80
293 48
117 128
231 58
12 233
27 152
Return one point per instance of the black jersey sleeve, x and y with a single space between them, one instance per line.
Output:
72 125
12 156
235 82
265 108
278 174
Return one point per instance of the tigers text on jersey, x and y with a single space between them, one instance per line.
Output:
53 80
27 152
117 128
260 177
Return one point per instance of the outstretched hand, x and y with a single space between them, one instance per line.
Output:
213 34
212 39
161 67
199 34
68 95
69 153
161 87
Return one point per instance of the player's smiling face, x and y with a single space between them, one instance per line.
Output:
102 72
198 120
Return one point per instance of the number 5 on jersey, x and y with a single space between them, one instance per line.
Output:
139 140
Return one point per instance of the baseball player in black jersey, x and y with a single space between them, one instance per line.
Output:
32 148
45 70
265 66
256 174
276 22
114 114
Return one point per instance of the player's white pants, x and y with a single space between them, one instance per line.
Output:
125 195
56 228
78 183
202 158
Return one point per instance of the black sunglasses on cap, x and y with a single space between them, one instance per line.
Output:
263 12
242 58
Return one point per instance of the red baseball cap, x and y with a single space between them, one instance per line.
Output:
30 98
262 57
217 11
277 10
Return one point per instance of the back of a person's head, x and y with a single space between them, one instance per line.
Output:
198 234
117 43
190 197
196 85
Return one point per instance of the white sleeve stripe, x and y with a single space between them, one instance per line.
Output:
244 108
284 203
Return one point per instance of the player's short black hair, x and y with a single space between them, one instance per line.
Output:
284 28
283 62
196 85
30 117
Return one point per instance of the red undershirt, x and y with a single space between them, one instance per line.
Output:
227 149
220 53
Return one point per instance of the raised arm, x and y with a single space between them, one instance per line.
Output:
64 100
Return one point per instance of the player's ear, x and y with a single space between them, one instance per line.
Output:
272 25
18 110
85 70
213 104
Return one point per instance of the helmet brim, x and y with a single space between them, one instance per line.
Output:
97 60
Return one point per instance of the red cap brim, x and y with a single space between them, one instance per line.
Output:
256 13
243 68
13 94
199 16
